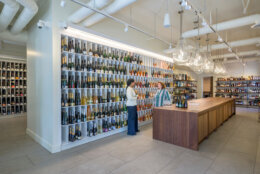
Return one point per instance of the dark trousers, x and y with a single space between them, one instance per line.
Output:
132 120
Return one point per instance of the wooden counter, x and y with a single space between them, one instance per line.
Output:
188 127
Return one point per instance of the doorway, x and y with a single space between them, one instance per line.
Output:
208 87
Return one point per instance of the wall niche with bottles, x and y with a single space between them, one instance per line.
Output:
13 88
93 88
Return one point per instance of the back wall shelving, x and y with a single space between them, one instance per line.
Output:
13 77
246 91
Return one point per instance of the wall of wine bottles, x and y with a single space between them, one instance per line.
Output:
93 85
13 88
245 90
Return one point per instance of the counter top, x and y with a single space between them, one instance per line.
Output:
199 105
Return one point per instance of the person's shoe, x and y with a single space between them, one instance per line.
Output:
130 134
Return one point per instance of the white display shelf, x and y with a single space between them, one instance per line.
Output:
70 61
86 139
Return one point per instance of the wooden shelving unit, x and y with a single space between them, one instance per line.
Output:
184 86
246 92
13 77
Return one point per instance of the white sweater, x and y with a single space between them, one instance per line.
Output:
131 97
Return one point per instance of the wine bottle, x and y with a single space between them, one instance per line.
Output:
94 128
89 64
104 96
103 79
71 136
64 117
77 116
78 133
71 116
83 64
84 50
108 96
100 96
72 48
83 115
64 82
90 129
89 80
77 81
99 82
64 45
95 97
76 47
100 126
90 101
105 52
64 62
77 98
105 126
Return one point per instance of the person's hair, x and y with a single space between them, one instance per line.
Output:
129 82
162 84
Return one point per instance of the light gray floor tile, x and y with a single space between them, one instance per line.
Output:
233 148
233 162
188 163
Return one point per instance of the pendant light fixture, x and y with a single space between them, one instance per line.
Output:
167 20
181 51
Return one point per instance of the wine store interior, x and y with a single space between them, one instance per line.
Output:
130 86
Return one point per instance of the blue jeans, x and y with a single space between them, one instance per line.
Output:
132 120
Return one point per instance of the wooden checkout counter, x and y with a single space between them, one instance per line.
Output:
188 127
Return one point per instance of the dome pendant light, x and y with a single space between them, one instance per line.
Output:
166 20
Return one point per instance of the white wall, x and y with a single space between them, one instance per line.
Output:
40 117
9 49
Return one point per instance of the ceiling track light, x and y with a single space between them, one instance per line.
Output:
126 28
220 39
62 3
184 3
204 23
166 21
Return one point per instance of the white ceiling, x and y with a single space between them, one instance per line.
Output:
148 15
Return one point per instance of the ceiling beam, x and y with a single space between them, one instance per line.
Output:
244 53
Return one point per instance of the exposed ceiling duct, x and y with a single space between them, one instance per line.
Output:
235 23
84 12
112 8
20 38
29 11
244 53
238 43
252 59
8 12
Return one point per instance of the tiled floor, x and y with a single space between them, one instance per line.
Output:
233 149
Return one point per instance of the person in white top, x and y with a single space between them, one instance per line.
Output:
131 104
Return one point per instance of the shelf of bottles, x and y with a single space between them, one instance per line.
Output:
246 90
13 88
185 88
93 85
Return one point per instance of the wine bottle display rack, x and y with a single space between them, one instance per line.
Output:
246 91
93 85
185 88
13 88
